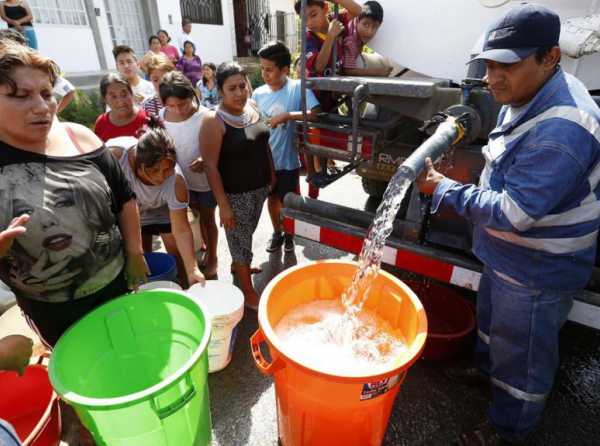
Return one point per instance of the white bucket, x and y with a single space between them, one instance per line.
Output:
225 303
160 284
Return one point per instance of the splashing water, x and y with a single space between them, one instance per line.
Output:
342 336
372 251
316 325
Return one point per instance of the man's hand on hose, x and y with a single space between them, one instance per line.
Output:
429 178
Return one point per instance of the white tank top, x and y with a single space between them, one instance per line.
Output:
186 135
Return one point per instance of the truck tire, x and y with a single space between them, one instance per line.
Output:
374 188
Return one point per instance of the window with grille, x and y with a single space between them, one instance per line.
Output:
59 12
208 12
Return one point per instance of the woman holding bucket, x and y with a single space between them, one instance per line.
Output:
69 224
238 163
162 195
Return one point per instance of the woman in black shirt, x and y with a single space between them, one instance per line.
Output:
69 225
17 14
237 157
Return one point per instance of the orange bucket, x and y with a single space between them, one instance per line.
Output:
315 408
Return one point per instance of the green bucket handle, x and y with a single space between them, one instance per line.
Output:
170 409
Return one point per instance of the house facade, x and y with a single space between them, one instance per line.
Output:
80 34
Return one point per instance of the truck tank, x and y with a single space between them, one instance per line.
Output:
437 37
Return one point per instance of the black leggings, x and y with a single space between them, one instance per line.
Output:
51 320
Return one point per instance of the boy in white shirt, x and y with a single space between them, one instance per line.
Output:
127 66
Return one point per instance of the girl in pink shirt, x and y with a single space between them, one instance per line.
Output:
169 50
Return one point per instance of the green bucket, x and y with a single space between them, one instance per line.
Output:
135 370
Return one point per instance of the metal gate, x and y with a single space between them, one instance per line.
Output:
284 27
252 25
126 23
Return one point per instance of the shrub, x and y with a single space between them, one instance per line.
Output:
84 109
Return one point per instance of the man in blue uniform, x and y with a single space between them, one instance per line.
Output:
535 214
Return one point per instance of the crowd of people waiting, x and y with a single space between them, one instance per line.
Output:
82 207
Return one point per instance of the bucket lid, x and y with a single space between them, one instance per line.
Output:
219 298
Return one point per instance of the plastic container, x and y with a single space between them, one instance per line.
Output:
225 303
162 266
315 408
30 404
450 317
135 370
160 285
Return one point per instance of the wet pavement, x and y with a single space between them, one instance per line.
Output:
430 408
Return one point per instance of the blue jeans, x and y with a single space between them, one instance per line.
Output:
31 37
517 346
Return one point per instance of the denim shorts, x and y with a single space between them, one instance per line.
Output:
202 199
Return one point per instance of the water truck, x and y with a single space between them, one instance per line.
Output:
398 121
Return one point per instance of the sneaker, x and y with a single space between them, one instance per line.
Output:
276 242
288 245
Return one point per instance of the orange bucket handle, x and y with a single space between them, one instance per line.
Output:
262 364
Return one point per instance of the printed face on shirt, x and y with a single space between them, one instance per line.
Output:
119 99
127 65
273 76
235 93
71 232
316 18
27 113
517 83
366 28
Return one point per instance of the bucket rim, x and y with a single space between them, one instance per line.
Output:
413 352
76 398
462 303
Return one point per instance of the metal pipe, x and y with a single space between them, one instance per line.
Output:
336 14
447 134
303 73
359 94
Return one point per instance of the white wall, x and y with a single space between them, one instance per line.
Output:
281 5
107 43
214 41
71 47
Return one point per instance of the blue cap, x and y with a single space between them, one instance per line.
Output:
520 33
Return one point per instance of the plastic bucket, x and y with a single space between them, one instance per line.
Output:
450 319
162 266
135 370
315 408
160 285
31 406
225 303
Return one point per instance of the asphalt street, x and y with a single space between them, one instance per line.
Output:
430 409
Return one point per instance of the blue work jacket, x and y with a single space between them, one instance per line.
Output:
536 210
